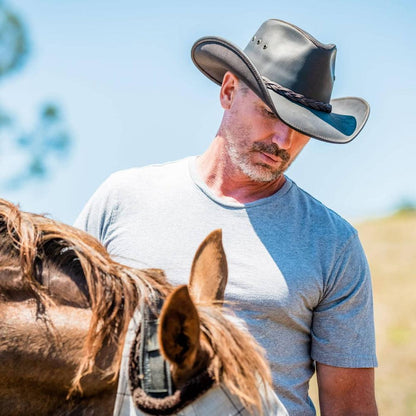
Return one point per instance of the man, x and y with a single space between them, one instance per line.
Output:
297 271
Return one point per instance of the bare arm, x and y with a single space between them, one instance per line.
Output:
346 391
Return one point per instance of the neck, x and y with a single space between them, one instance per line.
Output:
227 181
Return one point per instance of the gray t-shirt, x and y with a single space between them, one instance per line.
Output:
297 272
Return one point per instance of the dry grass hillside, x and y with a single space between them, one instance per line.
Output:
390 244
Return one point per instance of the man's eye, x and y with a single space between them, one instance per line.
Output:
269 113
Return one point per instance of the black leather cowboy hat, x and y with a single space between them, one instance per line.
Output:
293 73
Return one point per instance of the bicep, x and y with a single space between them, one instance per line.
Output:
343 325
346 391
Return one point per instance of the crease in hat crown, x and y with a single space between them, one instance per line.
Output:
282 54
285 63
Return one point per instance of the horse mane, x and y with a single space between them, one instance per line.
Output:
244 369
115 290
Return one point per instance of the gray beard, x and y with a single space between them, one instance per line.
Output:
256 172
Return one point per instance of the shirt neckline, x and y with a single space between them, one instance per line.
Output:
200 183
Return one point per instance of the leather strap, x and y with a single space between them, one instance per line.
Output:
149 375
296 97
155 377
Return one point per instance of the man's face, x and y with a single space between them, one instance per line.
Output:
258 142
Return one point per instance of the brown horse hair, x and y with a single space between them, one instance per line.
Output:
114 289
114 292
244 369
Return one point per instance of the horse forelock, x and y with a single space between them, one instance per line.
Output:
114 290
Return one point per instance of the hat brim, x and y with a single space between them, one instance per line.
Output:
214 56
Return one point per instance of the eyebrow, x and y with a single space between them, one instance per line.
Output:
263 106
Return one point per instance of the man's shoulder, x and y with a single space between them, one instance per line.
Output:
137 176
323 218
125 190
150 170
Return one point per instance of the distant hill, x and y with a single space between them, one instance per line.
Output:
390 245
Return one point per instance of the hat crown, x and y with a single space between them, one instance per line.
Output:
294 59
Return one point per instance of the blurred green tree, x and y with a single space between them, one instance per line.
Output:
406 206
30 152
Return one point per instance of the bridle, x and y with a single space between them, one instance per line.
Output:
151 383
148 369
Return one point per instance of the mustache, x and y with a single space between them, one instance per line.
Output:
272 149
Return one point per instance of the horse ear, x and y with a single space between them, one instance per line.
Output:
209 271
179 328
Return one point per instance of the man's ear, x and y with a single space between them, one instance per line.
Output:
228 89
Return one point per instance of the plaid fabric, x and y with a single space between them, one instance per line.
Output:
216 402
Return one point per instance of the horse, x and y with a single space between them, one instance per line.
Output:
67 309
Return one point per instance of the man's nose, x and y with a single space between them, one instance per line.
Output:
283 135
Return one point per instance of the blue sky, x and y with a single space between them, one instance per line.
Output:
122 72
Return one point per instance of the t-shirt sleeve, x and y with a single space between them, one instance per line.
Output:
99 212
343 322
